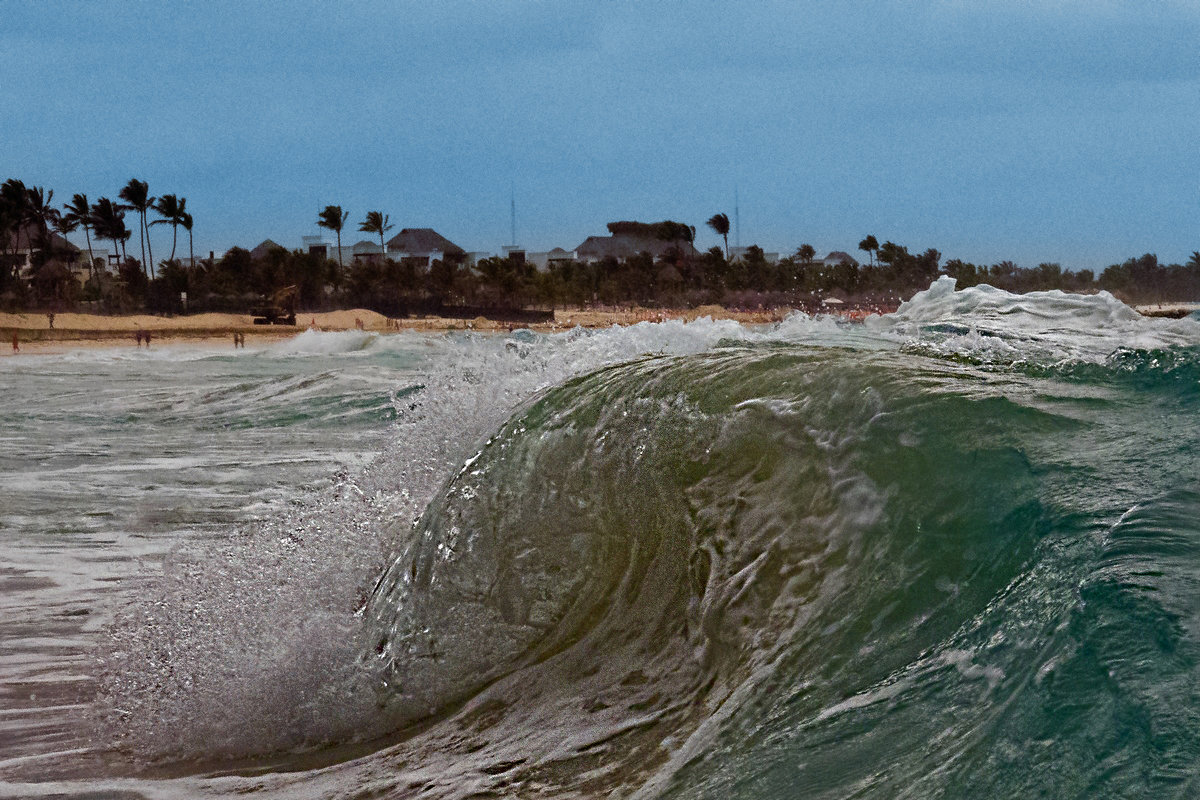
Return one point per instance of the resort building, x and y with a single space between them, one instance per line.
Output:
739 253
349 254
542 262
622 246
264 249
418 246
366 250
28 242
190 262
423 246
837 258
317 245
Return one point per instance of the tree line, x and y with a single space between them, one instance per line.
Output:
29 212
678 277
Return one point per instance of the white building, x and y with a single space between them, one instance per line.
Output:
543 261
423 246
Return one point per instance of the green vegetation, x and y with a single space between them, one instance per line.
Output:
79 213
720 225
334 219
375 222
137 194
870 246
172 209
35 269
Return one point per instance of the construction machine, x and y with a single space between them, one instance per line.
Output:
277 308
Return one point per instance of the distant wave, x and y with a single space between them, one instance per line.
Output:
312 342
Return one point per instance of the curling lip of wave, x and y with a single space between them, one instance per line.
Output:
939 506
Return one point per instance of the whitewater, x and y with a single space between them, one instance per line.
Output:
952 551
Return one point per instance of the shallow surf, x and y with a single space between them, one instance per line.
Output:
948 550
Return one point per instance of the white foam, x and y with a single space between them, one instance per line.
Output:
995 325
294 583
314 342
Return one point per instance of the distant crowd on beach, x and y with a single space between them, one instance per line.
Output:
143 335
140 336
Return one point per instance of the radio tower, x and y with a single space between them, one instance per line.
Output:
513 250
513 214
737 222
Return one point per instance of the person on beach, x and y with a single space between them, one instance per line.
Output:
16 343
138 337
50 319
146 336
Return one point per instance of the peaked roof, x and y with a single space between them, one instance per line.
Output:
365 246
623 245
839 257
30 233
422 241
266 246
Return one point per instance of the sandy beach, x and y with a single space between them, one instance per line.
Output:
35 333
70 330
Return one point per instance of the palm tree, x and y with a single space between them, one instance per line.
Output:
376 222
39 212
870 246
171 209
109 219
64 225
10 225
38 207
137 194
185 219
15 198
1194 261
80 214
334 218
720 225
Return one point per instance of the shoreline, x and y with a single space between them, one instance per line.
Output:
71 330
34 331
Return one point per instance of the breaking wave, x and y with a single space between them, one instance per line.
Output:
949 550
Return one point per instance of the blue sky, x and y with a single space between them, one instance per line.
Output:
1030 130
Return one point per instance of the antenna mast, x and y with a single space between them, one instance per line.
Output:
513 211
737 221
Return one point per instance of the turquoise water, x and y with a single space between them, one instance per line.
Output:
949 552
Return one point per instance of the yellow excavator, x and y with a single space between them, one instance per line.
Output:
277 308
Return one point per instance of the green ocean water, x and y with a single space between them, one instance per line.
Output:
853 575
946 553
